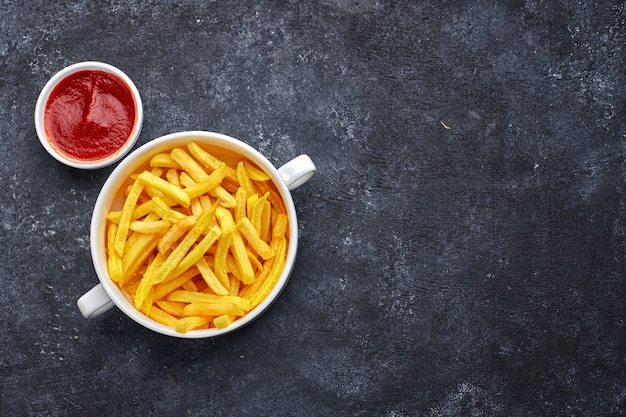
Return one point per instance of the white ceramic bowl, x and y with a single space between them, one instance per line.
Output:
107 294
40 108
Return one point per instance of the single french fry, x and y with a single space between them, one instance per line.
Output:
190 286
244 179
281 223
147 303
205 202
220 259
247 229
209 277
172 177
153 192
223 321
114 216
235 285
163 160
257 212
186 180
250 203
210 161
212 309
165 187
225 220
157 171
187 324
111 234
115 268
149 190
125 218
241 203
241 257
224 196
150 227
172 307
114 261
162 317
200 297
255 173
196 207
266 221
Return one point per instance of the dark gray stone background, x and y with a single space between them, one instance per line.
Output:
462 245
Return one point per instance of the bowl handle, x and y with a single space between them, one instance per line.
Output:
297 171
94 302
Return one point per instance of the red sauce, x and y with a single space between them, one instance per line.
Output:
89 115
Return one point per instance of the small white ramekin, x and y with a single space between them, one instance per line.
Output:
40 108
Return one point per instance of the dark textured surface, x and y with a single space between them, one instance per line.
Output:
462 246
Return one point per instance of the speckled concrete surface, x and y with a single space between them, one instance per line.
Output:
462 245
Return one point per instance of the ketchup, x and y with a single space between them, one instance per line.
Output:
89 115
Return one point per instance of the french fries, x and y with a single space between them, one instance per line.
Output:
198 243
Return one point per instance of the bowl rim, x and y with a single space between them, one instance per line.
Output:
120 175
42 100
